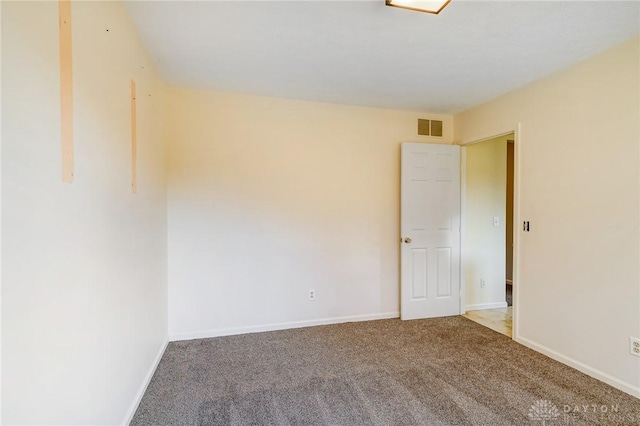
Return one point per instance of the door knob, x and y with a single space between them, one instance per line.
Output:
407 240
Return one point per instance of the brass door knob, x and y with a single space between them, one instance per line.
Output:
407 240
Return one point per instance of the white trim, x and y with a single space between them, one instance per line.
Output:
480 306
463 230
279 326
515 267
489 135
593 372
143 387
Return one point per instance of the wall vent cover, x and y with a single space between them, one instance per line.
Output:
436 128
423 127
429 127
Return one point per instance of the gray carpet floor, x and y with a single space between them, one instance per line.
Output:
443 371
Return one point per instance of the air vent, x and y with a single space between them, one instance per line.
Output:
429 127
423 127
436 128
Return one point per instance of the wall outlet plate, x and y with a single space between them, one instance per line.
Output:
634 346
312 294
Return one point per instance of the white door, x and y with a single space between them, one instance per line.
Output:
430 231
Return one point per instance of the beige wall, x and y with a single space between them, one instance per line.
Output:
269 198
84 296
577 152
483 246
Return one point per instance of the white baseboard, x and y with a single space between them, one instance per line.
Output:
593 372
479 306
279 326
143 387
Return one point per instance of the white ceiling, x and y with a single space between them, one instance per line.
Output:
365 53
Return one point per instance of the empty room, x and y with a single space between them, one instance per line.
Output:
321 212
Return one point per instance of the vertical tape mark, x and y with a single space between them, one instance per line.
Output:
66 90
134 142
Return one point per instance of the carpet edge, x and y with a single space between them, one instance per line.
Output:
145 383
279 326
583 368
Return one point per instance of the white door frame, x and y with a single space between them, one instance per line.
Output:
516 215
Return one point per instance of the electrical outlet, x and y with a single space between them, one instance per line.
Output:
312 294
634 346
496 221
482 282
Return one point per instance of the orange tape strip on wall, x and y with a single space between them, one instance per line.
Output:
134 142
66 90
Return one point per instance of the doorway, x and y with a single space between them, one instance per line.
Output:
509 222
488 216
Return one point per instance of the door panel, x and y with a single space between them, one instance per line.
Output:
444 271
419 271
430 227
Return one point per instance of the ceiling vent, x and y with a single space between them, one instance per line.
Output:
429 127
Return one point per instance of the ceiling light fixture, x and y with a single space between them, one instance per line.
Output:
428 6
